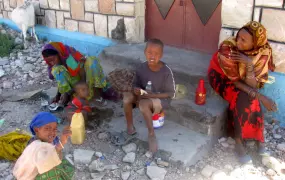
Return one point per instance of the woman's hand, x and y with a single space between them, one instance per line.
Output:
239 57
66 133
269 104
64 98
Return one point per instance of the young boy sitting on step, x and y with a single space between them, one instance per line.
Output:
162 90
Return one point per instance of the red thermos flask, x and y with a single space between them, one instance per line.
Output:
201 93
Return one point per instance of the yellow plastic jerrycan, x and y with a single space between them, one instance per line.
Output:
77 128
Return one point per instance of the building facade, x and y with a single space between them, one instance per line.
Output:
189 24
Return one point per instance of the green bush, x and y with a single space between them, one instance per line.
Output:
6 44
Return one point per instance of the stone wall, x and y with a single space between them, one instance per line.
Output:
271 13
99 17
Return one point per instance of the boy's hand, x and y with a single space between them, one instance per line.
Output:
66 133
137 91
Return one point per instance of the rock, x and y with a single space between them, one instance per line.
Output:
96 166
281 147
223 139
4 166
231 141
82 156
208 171
225 144
250 144
34 75
28 67
127 168
98 154
2 72
132 147
130 157
273 163
219 175
20 62
125 175
18 41
103 136
149 154
270 172
236 173
3 31
229 167
9 177
7 84
277 136
156 173
97 176
141 171
161 163
4 61
111 167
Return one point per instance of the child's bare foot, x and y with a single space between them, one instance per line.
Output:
152 143
131 131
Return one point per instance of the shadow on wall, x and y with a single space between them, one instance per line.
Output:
89 45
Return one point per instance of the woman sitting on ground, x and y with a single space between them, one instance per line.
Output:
68 66
236 72
42 158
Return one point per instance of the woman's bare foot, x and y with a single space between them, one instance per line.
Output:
131 130
152 143
240 150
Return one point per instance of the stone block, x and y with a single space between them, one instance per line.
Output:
101 25
50 18
224 34
20 2
125 9
236 13
5 14
279 56
91 6
274 22
131 35
64 5
256 15
77 9
60 19
107 6
53 4
13 3
112 23
129 0
6 5
89 17
140 9
67 15
43 3
86 27
269 3
71 25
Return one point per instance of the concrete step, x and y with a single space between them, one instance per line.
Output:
188 67
183 144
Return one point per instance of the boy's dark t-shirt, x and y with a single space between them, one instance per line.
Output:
162 81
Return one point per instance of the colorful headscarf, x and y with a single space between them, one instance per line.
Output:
69 57
261 55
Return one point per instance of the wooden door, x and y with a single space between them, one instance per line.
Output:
189 24
200 36
169 30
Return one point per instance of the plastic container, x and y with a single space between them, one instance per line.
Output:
158 120
77 128
201 93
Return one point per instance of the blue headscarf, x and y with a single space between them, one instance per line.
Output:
42 119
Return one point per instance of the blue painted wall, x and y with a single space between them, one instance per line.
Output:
89 45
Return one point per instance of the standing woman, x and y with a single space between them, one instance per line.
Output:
236 72
68 66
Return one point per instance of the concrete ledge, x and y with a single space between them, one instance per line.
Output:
87 44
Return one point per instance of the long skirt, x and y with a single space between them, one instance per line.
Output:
95 77
245 119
